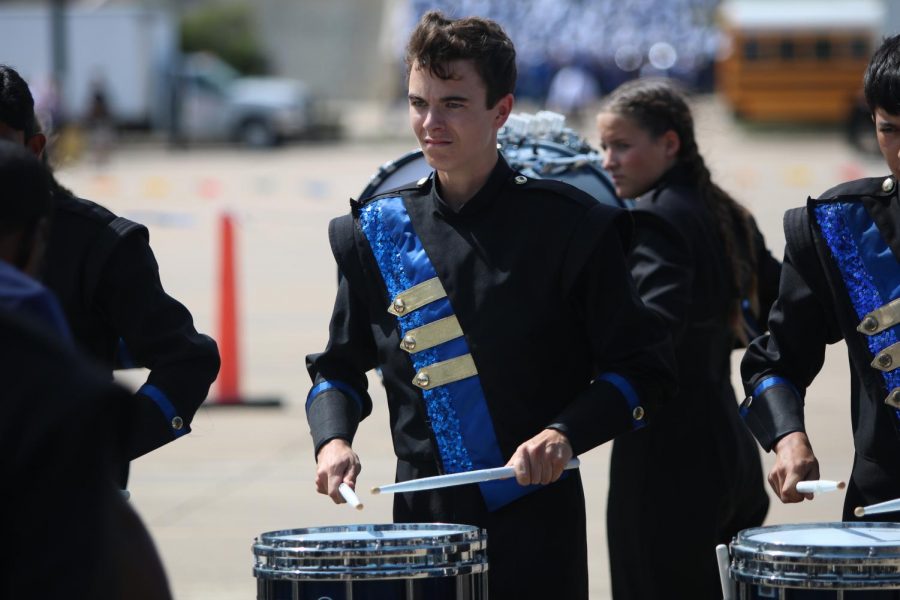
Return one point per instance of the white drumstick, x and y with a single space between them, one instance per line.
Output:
818 486
724 561
442 481
877 509
350 496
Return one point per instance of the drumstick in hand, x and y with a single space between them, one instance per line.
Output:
350 496
877 509
442 481
819 486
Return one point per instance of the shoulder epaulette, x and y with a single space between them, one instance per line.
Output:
559 188
860 188
423 185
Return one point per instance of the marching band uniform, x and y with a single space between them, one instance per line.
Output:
697 441
490 324
841 280
103 271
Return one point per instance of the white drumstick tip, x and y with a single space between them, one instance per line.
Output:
350 496
818 486
859 511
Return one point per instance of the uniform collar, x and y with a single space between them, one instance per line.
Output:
482 199
676 176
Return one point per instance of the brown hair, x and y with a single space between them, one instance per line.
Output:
437 41
657 107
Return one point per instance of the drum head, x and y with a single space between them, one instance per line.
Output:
819 555
573 163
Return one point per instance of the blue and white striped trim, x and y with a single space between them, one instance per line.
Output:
165 405
333 384
631 397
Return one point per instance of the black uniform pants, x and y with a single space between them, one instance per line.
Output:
537 545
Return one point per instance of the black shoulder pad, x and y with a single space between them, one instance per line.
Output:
422 185
853 190
117 229
560 188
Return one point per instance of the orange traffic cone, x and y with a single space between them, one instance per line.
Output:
228 382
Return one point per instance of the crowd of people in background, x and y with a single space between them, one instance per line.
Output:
609 41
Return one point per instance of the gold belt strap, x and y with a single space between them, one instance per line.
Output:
444 372
881 318
893 399
432 334
888 359
416 297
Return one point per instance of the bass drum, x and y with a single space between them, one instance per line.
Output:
573 163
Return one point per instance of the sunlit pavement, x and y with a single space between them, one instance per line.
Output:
244 471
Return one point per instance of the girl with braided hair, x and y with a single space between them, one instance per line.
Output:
698 259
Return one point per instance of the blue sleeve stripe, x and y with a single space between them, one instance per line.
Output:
627 390
165 405
333 384
762 386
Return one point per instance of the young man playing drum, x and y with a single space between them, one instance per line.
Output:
841 280
501 314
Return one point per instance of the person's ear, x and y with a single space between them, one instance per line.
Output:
504 108
37 144
671 143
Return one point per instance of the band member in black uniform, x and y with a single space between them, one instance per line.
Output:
841 280
697 256
103 271
503 319
59 430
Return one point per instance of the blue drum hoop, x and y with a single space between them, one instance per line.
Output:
866 555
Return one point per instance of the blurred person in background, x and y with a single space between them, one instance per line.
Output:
501 314
72 535
106 277
841 281
697 255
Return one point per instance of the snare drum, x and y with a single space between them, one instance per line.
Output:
403 561
568 159
817 560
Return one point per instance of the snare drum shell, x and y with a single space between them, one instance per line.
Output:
473 586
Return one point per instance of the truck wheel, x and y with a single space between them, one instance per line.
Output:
257 133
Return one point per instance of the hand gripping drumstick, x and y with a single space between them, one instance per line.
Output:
442 481
350 496
877 509
819 486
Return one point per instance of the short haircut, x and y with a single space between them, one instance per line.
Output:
882 80
436 41
17 103
26 189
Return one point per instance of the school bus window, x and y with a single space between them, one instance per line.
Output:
787 50
823 49
859 48
751 50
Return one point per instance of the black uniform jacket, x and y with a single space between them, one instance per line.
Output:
534 272
697 441
103 271
841 265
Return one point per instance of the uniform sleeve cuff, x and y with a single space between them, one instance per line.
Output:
773 410
332 414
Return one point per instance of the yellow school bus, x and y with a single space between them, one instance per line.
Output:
795 60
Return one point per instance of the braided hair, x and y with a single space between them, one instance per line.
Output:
657 107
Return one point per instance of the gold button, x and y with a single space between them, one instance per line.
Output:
177 423
422 380
399 306
887 185
885 360
409 342
520 179
422 181
638 413
870 324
